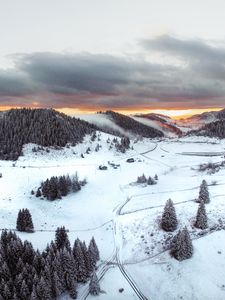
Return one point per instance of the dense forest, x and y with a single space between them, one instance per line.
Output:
131 126
28 274
214 129
45 127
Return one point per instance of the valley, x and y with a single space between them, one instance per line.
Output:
123 216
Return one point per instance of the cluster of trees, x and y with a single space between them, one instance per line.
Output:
213 129
211 167
31 275
24 221
44 127
130 125
120 145
59 186
181 245
149 181
123 145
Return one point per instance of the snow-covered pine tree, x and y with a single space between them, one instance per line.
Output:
93 250
24 291
71 285
169 218
19 221
88 262
201 218
57 288
43 291
94 287
203 193
24 221
61 239
81 269
151 181
181 246
68 270
142 179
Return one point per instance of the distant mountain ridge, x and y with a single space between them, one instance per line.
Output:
165 123
215 128
129 124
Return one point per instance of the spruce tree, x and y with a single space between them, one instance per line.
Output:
201 218
203 193
61 238
24 291
181 246
169 218
81 269
43 290
94 287
24 221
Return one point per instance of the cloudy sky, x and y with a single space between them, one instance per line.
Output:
112 54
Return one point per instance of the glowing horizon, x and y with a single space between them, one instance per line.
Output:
175 113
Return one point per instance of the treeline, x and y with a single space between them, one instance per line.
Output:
27 274
214 129
59 186
132 126
44 127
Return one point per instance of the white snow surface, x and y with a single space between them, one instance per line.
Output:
124 217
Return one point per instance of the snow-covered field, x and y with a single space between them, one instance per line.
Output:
124 217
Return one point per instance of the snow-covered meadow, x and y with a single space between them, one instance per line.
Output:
124 217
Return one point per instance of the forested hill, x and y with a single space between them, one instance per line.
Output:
214 129
45 127
134 127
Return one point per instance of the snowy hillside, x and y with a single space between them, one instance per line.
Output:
124 217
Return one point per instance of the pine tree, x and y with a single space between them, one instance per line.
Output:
61 238
24 291
24 221
81 269
203 193
57 288
181 246
87 259
156 177
71 285
169 218
151 181
68 269
93 251
43 290
201 218
142 179
94 287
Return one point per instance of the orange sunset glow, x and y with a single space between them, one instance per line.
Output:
173 113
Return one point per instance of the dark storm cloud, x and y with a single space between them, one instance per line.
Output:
93 81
